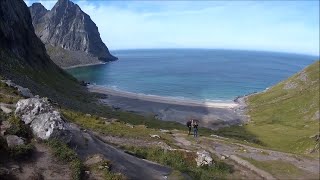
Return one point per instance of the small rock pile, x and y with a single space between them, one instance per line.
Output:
204 159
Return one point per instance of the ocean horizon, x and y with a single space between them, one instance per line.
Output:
206 75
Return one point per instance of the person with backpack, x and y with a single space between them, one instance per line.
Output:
195 128
189 125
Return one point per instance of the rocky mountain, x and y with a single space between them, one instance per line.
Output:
24 60
70 36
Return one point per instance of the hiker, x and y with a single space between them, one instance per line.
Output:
195 128
189 125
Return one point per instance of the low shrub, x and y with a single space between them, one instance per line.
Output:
21 151
19 128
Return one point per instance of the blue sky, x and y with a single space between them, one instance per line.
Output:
285 26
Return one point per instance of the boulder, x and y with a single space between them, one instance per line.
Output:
5 109
4 126
13 140
45 121
203 158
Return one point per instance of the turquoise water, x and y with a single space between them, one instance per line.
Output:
193 73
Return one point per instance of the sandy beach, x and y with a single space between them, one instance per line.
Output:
211 114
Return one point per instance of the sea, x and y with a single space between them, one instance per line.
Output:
194 74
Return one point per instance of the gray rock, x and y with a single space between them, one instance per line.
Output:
44 120
154 136
203 158
164 131
13 140
4 126
67 27
129 125
4 171
15 168
25 92
5 109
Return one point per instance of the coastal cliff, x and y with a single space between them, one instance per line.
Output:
24 60
70 36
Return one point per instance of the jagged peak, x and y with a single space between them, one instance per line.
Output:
65 4
38 5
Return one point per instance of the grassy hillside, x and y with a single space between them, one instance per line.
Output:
285 116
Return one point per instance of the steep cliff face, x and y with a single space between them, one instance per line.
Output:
37 11
67 27
17 36
24 60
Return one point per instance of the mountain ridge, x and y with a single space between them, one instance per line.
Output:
67 27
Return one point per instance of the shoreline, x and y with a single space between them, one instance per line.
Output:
213 115
84 65
163 99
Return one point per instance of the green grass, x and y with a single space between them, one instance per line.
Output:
120 129
279 169
182 162
8 95
19 128
283 119
154 123
65 154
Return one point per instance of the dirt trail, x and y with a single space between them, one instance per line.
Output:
306 164
43 166
235 151
131 166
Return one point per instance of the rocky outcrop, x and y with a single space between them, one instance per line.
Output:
25 92
23 57
45 121
204 158
13 140
71 37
